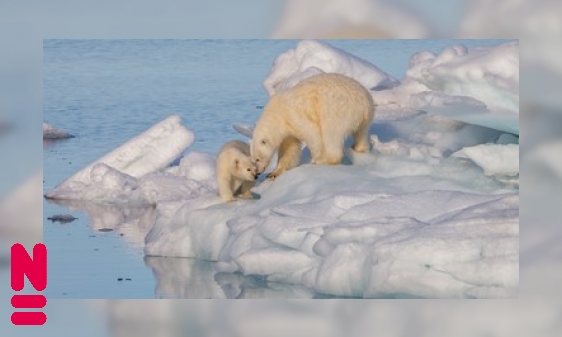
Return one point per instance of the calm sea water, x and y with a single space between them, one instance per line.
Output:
107 91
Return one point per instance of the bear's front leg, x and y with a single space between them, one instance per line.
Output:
225 189
289 157
245 190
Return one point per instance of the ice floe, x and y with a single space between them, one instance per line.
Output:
432 211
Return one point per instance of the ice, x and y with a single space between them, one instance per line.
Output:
50 132
494 159
465 109
478 86
150 151
490 75
312 57
160 187
196 166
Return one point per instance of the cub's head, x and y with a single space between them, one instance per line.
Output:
245 169
261 149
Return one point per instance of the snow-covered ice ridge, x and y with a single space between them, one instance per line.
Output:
478 86
312 57
432 212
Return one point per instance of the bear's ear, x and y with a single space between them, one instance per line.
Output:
236 162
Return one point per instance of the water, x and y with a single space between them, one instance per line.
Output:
107 91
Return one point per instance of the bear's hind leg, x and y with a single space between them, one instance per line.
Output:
361 138
313 140
332 142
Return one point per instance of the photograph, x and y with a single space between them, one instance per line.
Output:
281 169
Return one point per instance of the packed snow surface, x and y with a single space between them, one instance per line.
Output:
432 211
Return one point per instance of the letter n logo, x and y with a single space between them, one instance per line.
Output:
36 271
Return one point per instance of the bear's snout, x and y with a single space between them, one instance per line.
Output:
256 176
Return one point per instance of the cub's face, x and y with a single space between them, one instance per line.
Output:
245 169
261 151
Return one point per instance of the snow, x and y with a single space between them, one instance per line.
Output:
432 211
312 57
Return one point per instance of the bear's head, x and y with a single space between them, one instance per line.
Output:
245 169
261 150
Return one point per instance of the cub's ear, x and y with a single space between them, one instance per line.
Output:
236 162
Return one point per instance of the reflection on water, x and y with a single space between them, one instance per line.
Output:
189 278
177 278
132 222
183 278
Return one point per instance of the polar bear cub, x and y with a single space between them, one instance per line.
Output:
236 172
322 111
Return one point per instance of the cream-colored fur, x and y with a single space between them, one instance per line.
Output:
236 172
322 111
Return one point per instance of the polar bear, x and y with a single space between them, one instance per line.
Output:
322 111
235 170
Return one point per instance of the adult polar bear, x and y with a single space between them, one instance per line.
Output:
322 111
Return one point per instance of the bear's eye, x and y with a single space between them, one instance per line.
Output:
248 170
263 141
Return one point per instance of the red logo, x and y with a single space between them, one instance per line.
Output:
36 271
